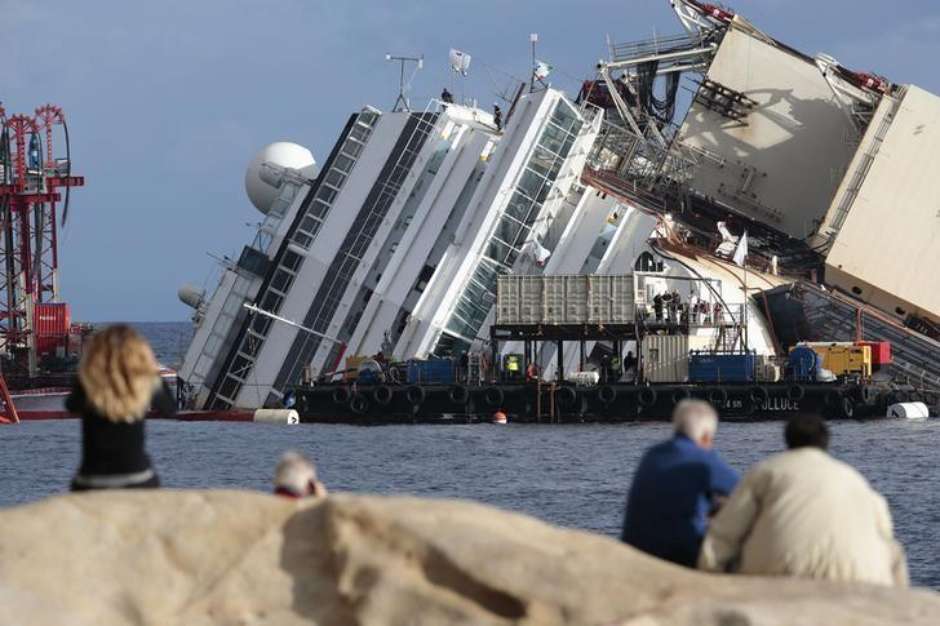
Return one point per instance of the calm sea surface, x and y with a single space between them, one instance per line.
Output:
573 476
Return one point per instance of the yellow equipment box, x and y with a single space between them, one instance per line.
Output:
844 359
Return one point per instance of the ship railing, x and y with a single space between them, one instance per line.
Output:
654 47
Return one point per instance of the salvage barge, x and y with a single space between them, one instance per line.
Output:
691 350
568 403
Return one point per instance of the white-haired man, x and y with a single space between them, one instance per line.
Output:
296 477
676 486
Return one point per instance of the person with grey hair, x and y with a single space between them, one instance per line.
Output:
676 487
296 477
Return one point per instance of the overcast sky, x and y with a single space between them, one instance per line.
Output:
167 101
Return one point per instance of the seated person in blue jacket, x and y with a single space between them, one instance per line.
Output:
677 486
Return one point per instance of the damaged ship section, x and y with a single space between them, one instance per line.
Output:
830 171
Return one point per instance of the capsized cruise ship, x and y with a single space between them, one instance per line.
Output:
395 243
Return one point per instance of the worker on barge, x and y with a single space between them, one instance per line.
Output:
677 486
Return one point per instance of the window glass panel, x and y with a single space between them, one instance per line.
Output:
508 230
533 185
566 146
553 138
261 324
241 366
343 163
271 302
519 206
326 194
309 224
282 280
335 177
229 388
291 260
448 345
566 117
545 163
303 239
251 345
497 251
319 209
359 133
351 148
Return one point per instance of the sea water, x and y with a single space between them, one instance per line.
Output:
571 475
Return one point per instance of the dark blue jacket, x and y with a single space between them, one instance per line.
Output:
671 496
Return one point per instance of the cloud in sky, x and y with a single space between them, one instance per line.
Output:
168 101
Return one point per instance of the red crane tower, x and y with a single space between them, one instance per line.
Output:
33 321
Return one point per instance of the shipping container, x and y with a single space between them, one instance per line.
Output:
52 319
430 371
565 299
705 367
612 300
665 358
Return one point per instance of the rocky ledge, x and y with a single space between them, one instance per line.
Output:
223 557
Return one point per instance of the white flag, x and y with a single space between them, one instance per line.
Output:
740 253
542 70
459 61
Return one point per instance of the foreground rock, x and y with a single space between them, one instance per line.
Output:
189 558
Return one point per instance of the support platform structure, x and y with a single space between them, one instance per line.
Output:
35 187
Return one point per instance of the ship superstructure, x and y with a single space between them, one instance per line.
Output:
395 246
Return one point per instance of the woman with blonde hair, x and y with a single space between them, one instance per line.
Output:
118 382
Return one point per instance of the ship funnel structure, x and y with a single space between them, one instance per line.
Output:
269 169
191 296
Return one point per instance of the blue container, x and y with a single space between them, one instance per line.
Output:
803 364
430 372
722 368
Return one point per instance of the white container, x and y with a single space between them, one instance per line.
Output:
277 416
584 379
611 299
565 299
554 299
665 358
909 410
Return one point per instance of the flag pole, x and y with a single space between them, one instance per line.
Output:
533 39
746 297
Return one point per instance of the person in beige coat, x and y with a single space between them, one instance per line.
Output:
803 513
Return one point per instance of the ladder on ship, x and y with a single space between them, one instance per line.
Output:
545 401
474 369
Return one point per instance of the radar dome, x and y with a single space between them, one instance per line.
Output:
283 154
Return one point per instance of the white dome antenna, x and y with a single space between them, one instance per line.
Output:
265 173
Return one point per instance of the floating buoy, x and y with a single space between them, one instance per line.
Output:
277 416
909 410
500 418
